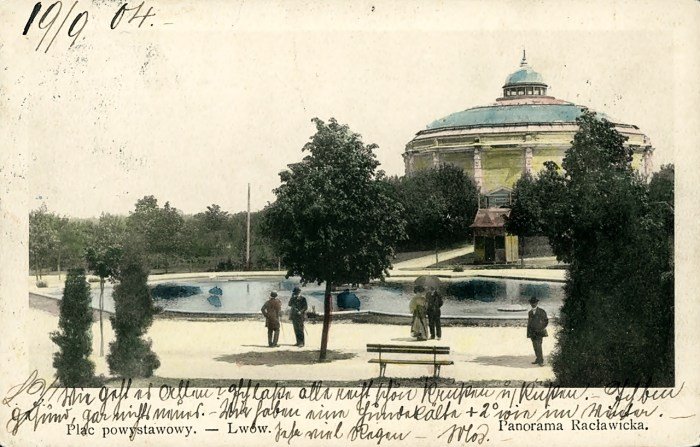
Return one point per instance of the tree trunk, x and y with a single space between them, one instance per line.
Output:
327 307
102 337
59 266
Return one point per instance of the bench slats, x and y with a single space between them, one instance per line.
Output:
399 349
433 351
376 345
413 362
409 351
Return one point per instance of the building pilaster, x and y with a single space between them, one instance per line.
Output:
648 162
478 175
436 159
528 160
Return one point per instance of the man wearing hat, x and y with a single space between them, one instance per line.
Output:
297 314
271 310
536 329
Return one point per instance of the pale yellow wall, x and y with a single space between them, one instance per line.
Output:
423 161
540 155
511 248
464 160
637 161
501 167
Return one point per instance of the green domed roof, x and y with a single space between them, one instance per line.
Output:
510 114
525 75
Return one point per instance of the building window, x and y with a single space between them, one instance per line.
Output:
529 91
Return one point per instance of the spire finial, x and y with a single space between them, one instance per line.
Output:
524 61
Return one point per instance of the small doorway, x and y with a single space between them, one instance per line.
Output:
489 249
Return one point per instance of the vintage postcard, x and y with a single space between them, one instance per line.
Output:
362 223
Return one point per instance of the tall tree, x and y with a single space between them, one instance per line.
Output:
440 204
72 360
525 212
617 316
43 239
158 228
130 355
335 220
73 236
163 239
214 226
215 218
537 202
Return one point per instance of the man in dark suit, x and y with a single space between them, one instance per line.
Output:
297 314
271 310
434 300
536 329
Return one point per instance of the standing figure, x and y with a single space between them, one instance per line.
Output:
536 329
297 314
434 304
419 328
271 310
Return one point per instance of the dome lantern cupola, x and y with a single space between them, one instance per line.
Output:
524 82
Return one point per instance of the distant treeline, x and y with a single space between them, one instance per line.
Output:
438 205
212 240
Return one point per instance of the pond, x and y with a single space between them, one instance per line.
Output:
470 297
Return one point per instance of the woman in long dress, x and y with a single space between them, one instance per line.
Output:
418 307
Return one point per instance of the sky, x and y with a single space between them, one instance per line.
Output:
216 95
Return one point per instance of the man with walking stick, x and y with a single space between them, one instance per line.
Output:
271 310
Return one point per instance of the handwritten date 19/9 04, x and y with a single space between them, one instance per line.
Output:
52 14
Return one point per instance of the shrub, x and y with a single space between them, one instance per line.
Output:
72 361
41 284
130 355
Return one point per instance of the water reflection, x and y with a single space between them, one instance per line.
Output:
477 296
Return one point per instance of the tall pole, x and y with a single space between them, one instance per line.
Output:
247 239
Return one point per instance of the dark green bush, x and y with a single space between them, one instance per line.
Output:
74 339
130 355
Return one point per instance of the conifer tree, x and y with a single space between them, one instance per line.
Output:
617 317
74 339
130 355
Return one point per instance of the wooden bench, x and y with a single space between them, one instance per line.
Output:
415 350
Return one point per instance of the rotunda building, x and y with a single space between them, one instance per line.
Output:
524 128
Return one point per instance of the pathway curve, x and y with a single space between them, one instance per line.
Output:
427 261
